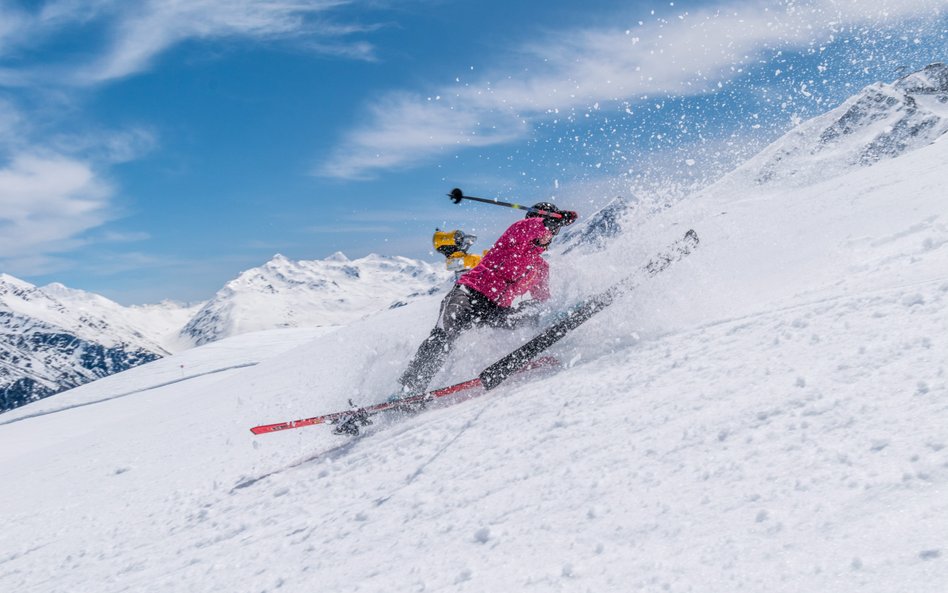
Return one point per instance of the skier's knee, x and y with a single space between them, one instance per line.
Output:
438 336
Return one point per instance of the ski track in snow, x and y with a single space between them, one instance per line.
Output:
127 393
769 415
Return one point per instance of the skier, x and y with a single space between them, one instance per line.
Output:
485 294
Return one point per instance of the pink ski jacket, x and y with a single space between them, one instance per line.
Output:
513 266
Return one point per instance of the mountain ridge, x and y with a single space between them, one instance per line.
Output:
882 121
331 291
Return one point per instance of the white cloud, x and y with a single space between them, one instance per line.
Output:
349 229
46 203
136 33
106 147
143 31
406 129
674 54
10 120
20 27
52 194
11 23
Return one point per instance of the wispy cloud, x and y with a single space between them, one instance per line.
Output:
408 129
680 54
350 228
12 21
106 147
46 203
55 193
10 120
133 34
143 32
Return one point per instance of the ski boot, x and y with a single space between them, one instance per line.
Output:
350 423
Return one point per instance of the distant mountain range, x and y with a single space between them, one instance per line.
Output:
54 338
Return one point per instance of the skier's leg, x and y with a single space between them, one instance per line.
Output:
426 362
456 316
504 317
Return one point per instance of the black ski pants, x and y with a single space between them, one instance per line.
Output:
461 309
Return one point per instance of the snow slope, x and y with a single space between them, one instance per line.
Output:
767 415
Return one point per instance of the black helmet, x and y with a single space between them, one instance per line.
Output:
545 206
565 218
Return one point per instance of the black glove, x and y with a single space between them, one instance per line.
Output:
526 312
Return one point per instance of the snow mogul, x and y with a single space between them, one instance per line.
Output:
484 295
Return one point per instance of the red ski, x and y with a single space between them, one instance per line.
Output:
363 413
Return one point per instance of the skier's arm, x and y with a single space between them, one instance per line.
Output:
541 290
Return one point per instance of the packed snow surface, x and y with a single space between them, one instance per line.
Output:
770 414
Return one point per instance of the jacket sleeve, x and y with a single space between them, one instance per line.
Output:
541 290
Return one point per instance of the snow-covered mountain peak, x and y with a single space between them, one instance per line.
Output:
930 80
278 259
597 229
331 291
8 279
74 297
11 285
882 121
19 297
59 288
337 256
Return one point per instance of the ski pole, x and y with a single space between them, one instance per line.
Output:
457 195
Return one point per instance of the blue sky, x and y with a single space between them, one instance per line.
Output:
154 149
